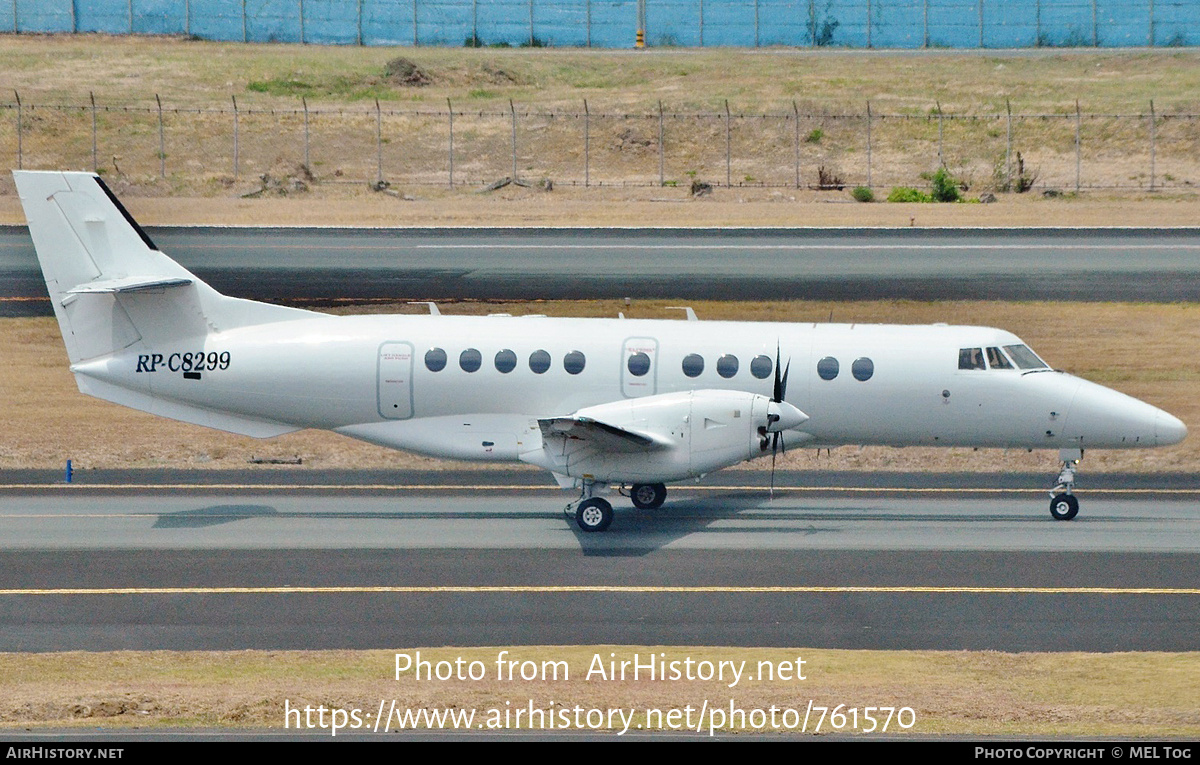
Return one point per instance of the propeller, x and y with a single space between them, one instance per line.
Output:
778 391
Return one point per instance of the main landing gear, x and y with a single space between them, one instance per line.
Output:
1063 504
595 513
648 496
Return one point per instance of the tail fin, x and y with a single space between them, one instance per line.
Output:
109 284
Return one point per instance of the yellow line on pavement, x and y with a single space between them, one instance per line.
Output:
618 589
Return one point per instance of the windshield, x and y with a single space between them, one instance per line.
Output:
1025 358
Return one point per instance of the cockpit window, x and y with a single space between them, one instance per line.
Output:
1025 358
997 360
970 358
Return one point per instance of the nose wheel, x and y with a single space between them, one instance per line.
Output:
1064 507
1063 504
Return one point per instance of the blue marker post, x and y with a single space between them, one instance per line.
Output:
69 473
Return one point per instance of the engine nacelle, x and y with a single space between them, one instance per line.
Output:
667 437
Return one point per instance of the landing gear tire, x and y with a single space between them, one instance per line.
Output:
648 496
594 514
1064 507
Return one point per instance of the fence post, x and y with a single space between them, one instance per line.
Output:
20 133
74 19
513 111
926 33
378 143
360 37
981 24
587 145
1079 140
1151 23
1037 24
869 184
16 27
450 109
302 40
796 141
941 141
589 23
307 164
1152 141
243 20
755 23
162 146
95 161
1008 145
661 178
415 38
868 24
1095 28
187 17
701 23
530 23
728 173
129 13
235 137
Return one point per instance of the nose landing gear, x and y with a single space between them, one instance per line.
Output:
1063 504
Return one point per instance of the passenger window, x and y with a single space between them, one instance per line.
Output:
997 360
761 367
693 364
862 369
470 360
727 365
539 362
828 368
638 364
574 362
970 358
506 361
435 359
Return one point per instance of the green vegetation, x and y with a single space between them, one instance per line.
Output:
863 194
945 188
908 194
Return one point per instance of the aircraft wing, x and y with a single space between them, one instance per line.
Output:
604 436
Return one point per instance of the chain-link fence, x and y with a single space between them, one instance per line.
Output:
615 23
194 148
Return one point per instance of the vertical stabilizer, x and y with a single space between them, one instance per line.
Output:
109 284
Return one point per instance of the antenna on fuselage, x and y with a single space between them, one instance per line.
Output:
691 315
433 309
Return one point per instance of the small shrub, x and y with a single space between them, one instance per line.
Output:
863 194
815 136
473 41
945 188
908 194
828 180
534 42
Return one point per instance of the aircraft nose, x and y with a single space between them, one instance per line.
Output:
1168 429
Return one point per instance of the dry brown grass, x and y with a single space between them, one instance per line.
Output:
1142 350
830 86
1153 695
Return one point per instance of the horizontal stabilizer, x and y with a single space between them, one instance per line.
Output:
129 284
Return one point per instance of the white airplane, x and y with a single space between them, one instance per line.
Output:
597 402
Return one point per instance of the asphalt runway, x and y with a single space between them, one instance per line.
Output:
326 265
492 560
